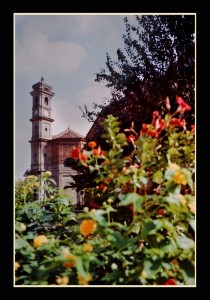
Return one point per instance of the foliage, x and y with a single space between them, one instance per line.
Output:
141 231
158 60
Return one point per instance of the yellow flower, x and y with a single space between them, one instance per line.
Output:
31 177
92 144
17 266
40 240
86 247
183 201
87 227
144 274
84 280
37 184
48 173
192 207
62 280
173 167
179 178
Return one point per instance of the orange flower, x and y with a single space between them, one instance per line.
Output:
68 256
84 280
40 240
87 227
98 151
83 156
92 144
179 178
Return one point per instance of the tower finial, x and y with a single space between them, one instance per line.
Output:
42 79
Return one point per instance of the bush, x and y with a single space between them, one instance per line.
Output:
141 229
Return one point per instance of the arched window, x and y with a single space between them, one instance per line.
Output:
36 101
46 100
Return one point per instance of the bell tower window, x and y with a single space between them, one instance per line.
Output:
36 101
46 101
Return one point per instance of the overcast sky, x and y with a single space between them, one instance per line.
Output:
67 50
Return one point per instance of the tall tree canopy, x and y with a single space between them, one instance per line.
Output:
158 60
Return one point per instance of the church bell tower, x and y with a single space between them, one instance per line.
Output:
41 125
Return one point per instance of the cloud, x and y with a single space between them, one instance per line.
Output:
67 114
94 92
36 53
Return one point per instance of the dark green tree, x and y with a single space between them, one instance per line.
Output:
158 60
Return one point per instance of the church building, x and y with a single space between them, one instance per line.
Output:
49 152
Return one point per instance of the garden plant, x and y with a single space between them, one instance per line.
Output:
138 223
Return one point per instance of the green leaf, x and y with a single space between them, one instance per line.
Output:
151 227
65 201
132 198
20 243
192 224
188 271
158 176
151 267
185 243
80 268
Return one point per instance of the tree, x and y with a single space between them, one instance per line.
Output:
158 61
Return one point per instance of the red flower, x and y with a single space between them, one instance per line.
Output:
144 127
162 124
103 187
155 113
170 281
75 152
95 205
131 138
192 128
178 122
161 212
183 105
151 132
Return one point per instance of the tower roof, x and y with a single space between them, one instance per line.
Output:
68 134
